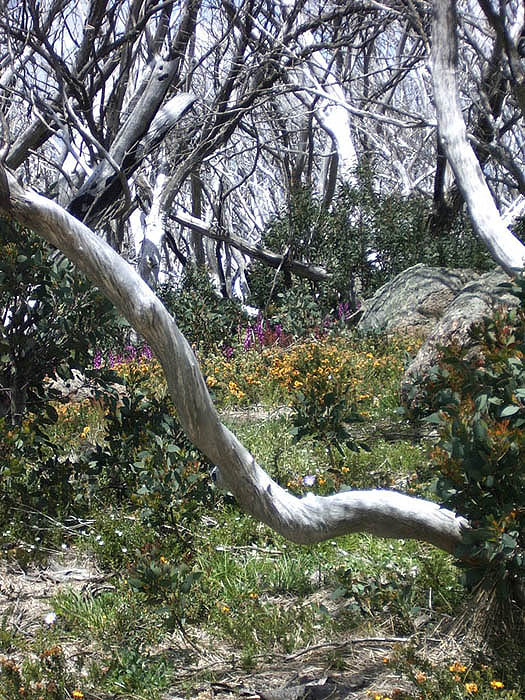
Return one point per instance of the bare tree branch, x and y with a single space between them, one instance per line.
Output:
275 260
304 520
504 247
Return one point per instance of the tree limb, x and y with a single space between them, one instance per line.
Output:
275 260
504 247
304 520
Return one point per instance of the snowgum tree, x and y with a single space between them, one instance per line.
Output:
217 112
258 55
306 520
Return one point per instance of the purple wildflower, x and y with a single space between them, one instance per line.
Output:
345 311
247 339
131 352
228 352
146 353
309 480
259 330
97 359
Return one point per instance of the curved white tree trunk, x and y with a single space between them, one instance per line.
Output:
504 247
304 520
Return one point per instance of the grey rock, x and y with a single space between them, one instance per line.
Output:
414 300
476 300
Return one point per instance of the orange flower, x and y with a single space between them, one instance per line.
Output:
456 667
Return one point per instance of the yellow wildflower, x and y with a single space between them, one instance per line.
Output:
497 685
471 688
456 667
78 694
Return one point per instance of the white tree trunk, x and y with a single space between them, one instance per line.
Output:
504 247
142 132
330 111
305 520
154 231
335 120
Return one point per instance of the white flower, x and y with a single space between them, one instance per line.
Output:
50 618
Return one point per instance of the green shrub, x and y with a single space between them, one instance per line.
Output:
51 321
43 678
364 238
480 399
145 456
455 680
164 584
207 320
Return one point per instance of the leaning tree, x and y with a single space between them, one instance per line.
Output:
312 518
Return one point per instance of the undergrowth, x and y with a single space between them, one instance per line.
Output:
184 570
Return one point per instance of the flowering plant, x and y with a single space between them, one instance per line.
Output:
481 402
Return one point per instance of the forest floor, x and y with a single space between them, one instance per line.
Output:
341 669
94 604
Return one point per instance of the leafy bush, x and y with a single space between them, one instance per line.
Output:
51 320
145 456
322 394
481 400
123 446
238 380
45 678
452 681
164 584
364 238
206 319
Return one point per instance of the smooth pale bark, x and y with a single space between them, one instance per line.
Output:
150 255
504 247
31 139
514 211
305 520
142 132
329 110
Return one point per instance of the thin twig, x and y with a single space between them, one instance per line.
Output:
340 645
